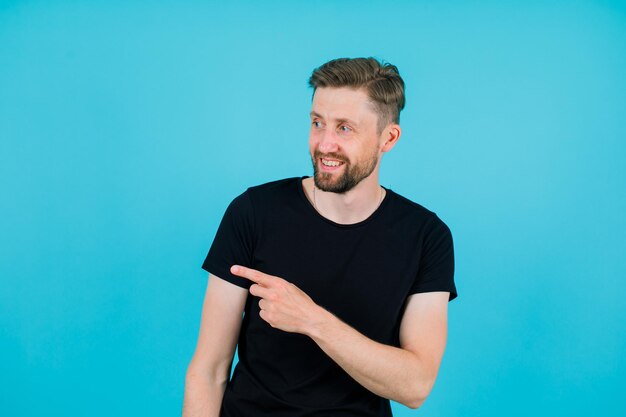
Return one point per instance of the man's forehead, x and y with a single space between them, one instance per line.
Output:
342 103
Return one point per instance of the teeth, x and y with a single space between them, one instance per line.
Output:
331 163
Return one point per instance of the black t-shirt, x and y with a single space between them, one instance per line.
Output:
361 272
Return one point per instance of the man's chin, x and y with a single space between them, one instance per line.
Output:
324 181
329 183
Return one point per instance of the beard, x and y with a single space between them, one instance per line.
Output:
351 176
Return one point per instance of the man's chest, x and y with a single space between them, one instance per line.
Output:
362 275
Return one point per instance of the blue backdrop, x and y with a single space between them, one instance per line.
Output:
127 127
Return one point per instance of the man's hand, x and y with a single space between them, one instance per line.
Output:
404 374
283 305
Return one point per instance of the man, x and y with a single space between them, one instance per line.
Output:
343 283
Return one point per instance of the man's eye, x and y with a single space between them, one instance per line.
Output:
345 129
316 123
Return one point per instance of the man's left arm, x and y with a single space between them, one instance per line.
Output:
405 374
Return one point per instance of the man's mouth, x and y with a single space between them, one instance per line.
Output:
331 162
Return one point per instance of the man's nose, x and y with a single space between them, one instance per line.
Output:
328 141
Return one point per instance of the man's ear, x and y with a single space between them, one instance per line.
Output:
391 135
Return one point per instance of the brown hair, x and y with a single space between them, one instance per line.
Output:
381 81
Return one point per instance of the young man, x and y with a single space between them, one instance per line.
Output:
343 284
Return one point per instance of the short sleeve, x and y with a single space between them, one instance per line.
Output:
234 242
436 265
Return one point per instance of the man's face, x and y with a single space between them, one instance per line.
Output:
343 141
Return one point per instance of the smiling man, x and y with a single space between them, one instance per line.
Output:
343 284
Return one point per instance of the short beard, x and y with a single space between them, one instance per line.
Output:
352 175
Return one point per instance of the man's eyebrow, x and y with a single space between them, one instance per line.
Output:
340 120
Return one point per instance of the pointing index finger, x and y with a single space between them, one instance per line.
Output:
249 273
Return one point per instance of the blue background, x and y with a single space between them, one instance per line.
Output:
127 127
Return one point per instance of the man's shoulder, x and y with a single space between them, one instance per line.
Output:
409 206
415 213
274 193
275 186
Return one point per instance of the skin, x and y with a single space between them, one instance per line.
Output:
343 128
209 369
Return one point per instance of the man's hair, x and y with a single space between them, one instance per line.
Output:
380 80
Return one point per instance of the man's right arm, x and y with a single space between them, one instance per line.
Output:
209 369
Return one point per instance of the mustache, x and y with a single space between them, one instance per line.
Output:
317 155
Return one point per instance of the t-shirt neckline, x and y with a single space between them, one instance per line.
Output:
311 209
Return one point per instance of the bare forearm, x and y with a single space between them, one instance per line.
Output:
387 371
203 396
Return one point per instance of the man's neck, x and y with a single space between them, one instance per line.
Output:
351 207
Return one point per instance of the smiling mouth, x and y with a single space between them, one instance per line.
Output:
331 163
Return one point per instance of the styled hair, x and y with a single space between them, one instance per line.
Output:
380 80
